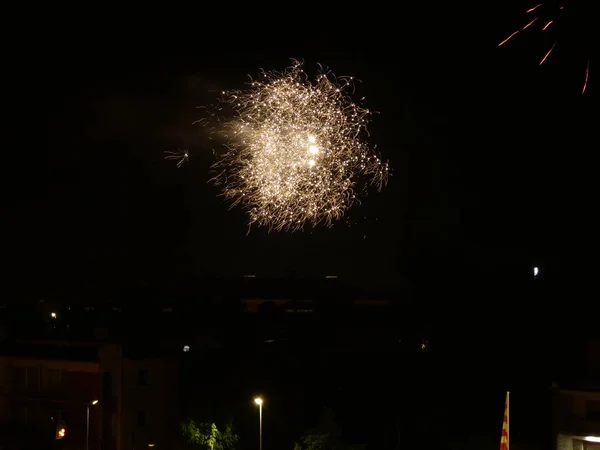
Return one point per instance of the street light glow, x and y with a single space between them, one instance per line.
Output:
94 402
591 439
258 401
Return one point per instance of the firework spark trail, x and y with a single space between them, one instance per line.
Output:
547 54
514 33
547 25
295 149
587 73
553 12
534 8
181 156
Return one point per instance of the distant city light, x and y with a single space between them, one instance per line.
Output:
536 272
331 276
249 276
53 315
186 348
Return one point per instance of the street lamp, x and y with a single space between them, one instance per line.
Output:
259 402
87 427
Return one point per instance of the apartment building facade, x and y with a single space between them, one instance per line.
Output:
98 393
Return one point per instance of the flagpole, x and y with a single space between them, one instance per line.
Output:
505 439
508 420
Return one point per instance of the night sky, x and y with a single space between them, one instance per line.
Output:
491 155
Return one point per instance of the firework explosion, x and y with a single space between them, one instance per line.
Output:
295 149
566 22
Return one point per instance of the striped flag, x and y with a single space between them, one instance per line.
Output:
504 439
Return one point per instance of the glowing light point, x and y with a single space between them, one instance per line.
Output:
313 149
312 139
536 272
311 162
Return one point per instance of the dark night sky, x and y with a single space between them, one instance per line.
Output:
489 152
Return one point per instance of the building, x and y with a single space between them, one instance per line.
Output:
576 419
576 411
49 386
157 359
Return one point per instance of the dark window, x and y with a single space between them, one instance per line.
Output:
142 418
22 414
106 385
19 378
142 377
54 379
33 379
592 410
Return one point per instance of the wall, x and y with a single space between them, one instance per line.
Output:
149 403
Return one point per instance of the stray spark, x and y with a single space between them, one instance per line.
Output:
181 156
295 150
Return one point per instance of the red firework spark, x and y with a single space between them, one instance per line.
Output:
545 17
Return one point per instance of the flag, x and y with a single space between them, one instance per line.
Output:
504 438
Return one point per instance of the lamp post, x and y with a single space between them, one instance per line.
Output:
87 427
259 402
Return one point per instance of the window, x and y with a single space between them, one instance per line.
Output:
19 378
142 377
33 379
107 385
592 410
22 414
53 379
142 418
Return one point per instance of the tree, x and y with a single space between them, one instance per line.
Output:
208 436
327 435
